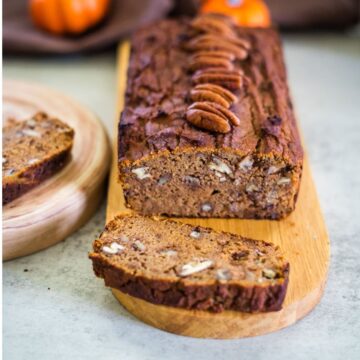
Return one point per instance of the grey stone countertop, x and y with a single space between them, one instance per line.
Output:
54 308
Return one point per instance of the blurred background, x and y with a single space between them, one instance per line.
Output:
47 27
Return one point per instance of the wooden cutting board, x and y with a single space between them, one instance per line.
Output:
302 236
56 208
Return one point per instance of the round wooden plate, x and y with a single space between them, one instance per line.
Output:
60 205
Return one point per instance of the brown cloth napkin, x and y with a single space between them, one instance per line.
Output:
21 37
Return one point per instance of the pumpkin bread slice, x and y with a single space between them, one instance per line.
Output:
33 150
179 265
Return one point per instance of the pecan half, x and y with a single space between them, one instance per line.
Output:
219 26
206 106
235 40
213 42
203 62
240 42
214 54
229 20
208 95
209 24
215 70
230 79
207 120
229 115
225 93
218 110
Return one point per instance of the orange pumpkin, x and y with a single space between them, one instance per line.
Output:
67 16
253 13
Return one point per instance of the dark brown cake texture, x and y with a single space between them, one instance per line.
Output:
33 150
208 128
179 265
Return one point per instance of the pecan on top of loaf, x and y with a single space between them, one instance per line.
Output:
216 47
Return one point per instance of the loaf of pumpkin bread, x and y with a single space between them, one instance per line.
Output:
208 128
179 265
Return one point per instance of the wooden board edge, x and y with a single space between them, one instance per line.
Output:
225 325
